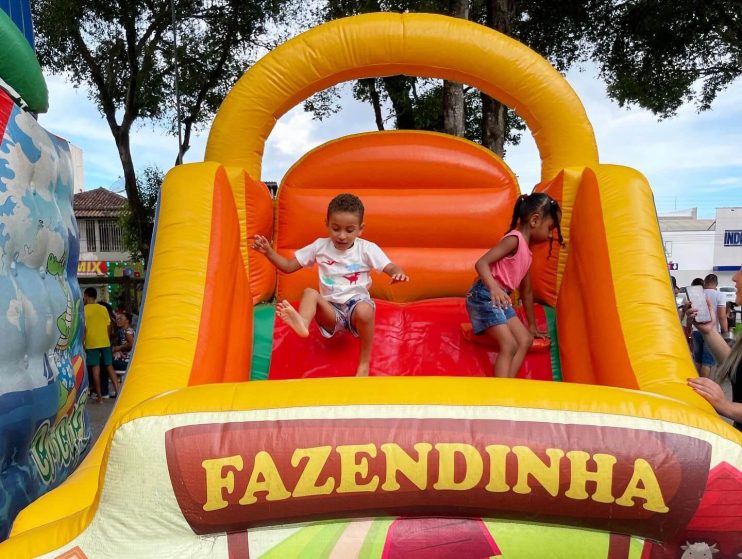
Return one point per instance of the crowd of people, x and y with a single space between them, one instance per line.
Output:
109 340
716 353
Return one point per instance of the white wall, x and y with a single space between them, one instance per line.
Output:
727 219
692 251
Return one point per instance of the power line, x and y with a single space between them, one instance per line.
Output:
179 159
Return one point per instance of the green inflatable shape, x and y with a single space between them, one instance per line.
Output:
556 362
19 67
262 345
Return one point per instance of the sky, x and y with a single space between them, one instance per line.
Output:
691 160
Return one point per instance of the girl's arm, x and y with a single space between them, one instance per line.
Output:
526 293
717 345
286 265
713 393
506 246
706 387
395 272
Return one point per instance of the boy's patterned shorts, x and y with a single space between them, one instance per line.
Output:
343 314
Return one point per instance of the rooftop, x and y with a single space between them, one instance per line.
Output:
676 224
685 220
99 202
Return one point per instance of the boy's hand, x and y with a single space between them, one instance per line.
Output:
261 244
399 277
500 299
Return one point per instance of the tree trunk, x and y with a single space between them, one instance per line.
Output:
398 89
453 92
500 14
373 94
132 192
453 108
186 145
493 124
376 102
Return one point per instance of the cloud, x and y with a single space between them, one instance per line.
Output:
293 135
680 156
727 181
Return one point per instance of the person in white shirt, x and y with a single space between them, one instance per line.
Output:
710 285
702 355
344 263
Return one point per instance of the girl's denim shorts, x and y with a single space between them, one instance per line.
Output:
482 313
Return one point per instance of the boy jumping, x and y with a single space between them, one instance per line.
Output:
344 263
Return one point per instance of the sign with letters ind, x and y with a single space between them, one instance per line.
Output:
733 238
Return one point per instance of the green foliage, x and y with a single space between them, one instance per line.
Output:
409 102
658 54
124 50
149 183
661 54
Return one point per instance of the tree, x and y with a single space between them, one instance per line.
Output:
655 53
429 104
664 53
453 92
123 51
149 183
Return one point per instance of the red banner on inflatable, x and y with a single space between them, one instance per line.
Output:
232 476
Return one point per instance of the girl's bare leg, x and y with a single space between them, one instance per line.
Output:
524 340
508 348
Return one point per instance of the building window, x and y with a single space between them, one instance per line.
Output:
110 236
90 234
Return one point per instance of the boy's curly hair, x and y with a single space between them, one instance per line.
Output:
346 203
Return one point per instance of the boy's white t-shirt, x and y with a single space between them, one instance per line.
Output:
343 274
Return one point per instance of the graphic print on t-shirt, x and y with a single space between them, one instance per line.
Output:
343 274
353 278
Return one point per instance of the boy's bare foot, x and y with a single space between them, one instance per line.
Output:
290 316
362 370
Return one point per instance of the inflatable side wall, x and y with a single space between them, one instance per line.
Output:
44 431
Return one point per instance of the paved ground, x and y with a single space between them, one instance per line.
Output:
98 414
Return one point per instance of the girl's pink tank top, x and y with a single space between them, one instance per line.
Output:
509 271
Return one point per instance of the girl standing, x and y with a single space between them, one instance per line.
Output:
505 268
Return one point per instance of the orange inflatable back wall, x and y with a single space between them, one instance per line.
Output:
433 203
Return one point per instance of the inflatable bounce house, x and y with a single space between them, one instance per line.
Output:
233 438
43 428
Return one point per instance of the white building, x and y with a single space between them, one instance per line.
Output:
697 247
101 237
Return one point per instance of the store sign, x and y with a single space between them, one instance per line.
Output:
92 268
231 476
733 238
